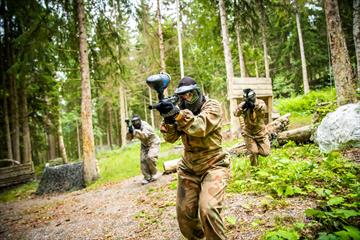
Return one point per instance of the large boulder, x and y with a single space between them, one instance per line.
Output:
62 178
340 129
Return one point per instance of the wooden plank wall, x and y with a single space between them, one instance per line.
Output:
16 174
262 86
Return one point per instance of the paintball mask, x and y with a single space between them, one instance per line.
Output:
249 98
136 121
192 101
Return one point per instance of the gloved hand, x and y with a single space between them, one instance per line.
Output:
167 109
169 120
131 129
248 105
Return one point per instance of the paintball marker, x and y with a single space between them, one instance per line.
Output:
159 82
129 125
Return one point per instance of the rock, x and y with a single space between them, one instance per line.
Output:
61 178
340 129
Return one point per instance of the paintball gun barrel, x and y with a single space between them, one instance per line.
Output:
159 82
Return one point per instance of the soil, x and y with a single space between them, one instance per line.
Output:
129 210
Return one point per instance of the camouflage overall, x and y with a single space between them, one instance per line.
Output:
252 123
203 171
150 147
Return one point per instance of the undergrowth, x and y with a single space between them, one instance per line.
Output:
304 171
305 104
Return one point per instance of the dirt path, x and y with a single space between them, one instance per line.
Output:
128 210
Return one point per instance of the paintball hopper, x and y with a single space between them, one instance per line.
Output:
159 82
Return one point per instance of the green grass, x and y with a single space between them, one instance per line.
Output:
124 163
18 192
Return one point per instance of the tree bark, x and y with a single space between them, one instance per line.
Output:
7 130
260 5
49 128
344 80
274 128
298 135
243 72
110 124
170 166
302 51
25 125
117 129
61 141
151 112
356 33
161 38
179 32
235 126
78 140
122 115
15 119
91 172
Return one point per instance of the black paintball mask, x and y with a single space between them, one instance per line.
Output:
188 85
249 98
136 121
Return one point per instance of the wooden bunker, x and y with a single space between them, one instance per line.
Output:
262 88
15 173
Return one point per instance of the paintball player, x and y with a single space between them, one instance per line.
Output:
203 171
150 147
251 112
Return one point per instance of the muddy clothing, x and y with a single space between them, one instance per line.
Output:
203 171
252 123
150 148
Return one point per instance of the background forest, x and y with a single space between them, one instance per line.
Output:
40 91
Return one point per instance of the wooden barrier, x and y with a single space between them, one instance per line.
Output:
16 174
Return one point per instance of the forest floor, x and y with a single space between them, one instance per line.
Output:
129 210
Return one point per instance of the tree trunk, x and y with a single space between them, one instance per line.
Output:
235 126
298 135
51 144
151 112
110 124
122 115
7 130
91 172
25 125
78 140
274 129
344 81
145 110
179 31
260 5
302 51
117 130
170 166
356 33
161 38
15 119
243 72
61 141
279 125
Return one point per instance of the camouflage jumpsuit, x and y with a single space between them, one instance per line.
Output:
252 123
203 171
150 147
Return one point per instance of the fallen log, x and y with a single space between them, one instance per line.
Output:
171 166
298 135
273 128
279 125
